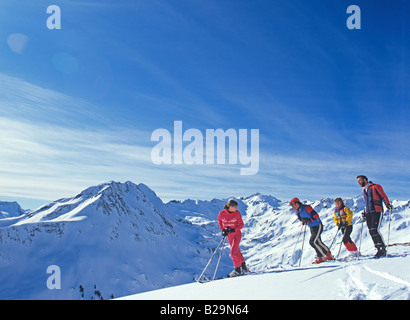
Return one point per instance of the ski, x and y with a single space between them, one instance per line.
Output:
399 244
327 263
313 266
228 277
208 280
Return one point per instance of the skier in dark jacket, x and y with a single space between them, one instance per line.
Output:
374 195
308 216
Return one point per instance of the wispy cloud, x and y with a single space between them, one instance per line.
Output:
46 150
53 145
55 158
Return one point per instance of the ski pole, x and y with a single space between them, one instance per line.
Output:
361 232
219 259
337 257
388 232
303 242
223 239
338 228
297 241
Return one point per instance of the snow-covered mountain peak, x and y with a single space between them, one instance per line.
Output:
9 209
106 198
120 189
258 198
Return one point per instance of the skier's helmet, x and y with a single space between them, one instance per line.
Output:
294 200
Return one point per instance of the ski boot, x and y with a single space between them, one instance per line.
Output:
244 268
319 260
236 272
381 252
329 256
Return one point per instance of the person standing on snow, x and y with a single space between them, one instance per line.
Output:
343 218
309 217
230 222
373 195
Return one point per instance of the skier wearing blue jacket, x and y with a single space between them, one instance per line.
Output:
308 216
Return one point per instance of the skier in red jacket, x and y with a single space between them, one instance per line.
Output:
374 195
230 222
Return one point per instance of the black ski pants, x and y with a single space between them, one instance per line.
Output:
347 231
316 241
373 221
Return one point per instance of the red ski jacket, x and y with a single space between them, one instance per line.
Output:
373 196
230 219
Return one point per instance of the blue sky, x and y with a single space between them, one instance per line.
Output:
78 105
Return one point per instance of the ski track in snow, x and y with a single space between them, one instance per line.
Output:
361 285
387 276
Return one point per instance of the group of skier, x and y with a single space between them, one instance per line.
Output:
231 223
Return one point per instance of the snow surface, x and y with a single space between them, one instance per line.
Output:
120 240
387 278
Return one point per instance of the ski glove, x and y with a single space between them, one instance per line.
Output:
389 206
305 221
343 224
227 230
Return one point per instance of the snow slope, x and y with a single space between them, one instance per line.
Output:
118 239
387 278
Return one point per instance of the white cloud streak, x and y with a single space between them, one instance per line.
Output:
46 151
53 146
